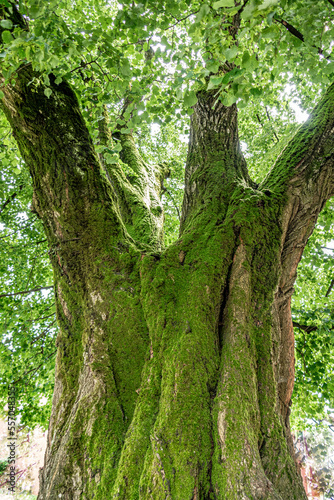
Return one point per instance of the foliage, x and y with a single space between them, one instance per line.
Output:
313 307
27 319
3 466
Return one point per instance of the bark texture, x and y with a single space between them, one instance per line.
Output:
175 366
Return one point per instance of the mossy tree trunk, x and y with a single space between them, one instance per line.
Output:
175 367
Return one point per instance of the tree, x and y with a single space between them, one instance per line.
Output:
175 366
314 451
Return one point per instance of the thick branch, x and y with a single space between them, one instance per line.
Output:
302 180
297 188
307 161
55 143
141 188
214 161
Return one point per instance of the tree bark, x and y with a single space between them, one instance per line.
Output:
175 367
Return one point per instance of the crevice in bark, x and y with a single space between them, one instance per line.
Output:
226 292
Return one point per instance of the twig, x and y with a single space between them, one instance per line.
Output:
330 288
305 328
26 291
43 333
291 29
34 370
165 190
259 120
10 199
270 121
41 318
302 355
180 20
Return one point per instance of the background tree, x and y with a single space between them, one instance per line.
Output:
175 367
315 455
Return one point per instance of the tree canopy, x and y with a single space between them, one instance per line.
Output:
138 67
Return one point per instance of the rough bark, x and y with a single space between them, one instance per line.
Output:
175 367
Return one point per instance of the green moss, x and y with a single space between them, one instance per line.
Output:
166 383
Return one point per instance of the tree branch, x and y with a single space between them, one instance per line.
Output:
25 292
301 182
269 120
43 333
309 155
291 29
35 369
10 199
259 119
305 328
330 288
178 21
165 190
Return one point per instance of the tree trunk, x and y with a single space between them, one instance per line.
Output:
175 367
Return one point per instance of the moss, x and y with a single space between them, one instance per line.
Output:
165 372
308 149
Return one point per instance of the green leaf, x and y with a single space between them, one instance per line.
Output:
228 99
6 23
329 68
270 17
54 61
231 53
223 3
256 91
39 56
270 32
213 66
7 36
36 10
111 159
47 92
249 62
204 11
267 4
125 68
2 95
215 81
179 94
190 99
